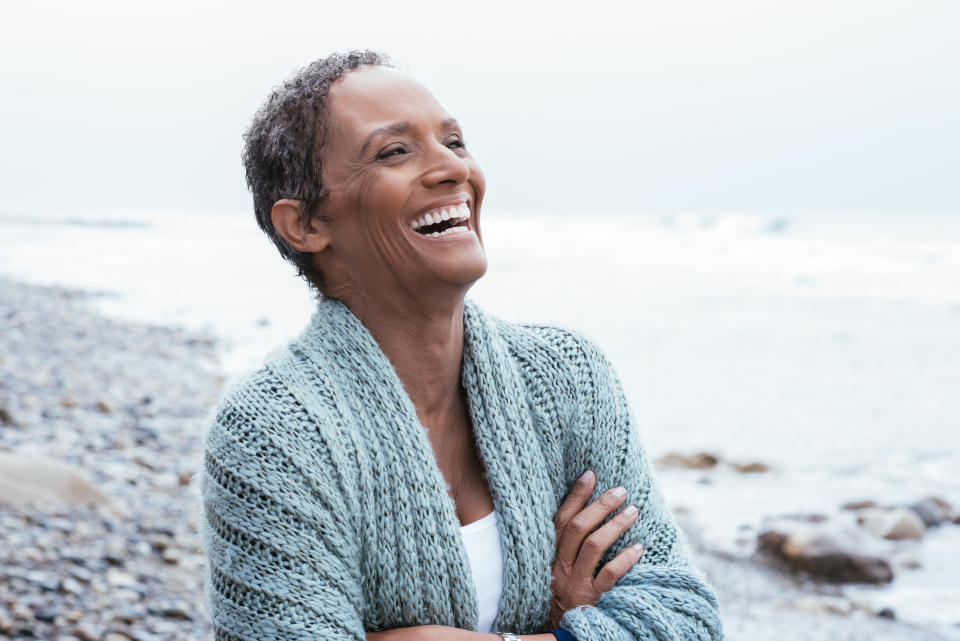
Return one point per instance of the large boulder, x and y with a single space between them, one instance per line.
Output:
32 480
826 551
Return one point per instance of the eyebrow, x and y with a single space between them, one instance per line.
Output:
399 128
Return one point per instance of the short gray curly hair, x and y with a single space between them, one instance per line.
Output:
282 148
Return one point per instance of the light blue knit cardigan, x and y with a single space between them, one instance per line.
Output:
326 515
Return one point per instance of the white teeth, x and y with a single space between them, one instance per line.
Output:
451 230
459 213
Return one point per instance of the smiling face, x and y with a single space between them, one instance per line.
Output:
404 193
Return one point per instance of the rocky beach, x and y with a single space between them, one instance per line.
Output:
100 432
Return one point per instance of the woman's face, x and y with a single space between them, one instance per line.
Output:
392 155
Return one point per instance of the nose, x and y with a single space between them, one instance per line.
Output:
444 166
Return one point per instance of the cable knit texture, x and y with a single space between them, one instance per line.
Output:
326 515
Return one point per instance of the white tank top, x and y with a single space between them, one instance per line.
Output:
482 540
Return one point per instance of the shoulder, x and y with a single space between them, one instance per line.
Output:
258 412
580 356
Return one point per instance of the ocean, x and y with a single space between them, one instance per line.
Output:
825 346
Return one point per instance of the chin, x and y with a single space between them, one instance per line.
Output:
466 273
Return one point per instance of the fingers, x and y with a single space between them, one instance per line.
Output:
585 521
597 543
617 567
578 497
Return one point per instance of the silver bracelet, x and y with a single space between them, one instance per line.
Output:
509 636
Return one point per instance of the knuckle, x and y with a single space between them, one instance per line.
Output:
607 574
578 526
594 545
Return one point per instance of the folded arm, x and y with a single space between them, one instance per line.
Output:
661 597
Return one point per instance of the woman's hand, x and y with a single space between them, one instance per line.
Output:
578 554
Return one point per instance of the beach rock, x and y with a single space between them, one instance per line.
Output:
27 480
929 512
951 512
7 625
755 467
853 506
6 418
825 551
86 632
699 461
896 524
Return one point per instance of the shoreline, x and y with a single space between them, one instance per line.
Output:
124 402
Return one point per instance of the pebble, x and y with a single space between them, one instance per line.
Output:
754 467
86 632
72 586
698 461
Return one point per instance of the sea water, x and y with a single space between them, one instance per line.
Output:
826 346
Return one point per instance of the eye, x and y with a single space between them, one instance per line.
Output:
456 143
391 151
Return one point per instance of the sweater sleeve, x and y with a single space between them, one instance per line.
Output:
281 563
661 597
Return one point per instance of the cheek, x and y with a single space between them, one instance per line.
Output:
378 207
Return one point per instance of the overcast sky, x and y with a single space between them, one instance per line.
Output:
747 106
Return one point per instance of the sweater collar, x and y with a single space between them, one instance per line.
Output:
337 342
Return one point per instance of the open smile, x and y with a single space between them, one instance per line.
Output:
447 221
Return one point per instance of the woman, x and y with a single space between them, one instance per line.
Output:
347 480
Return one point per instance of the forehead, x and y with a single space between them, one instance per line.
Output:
371 96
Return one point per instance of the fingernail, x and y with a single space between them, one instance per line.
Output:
630 510
638 548
585 477
618 492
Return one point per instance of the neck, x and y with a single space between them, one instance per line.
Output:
425 346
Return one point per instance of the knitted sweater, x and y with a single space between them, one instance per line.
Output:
326 514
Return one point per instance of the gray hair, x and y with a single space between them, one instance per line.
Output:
282 148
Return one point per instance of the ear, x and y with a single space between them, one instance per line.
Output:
311 237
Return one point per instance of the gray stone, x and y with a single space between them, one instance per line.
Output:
929 511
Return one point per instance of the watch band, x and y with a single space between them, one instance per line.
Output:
509 636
